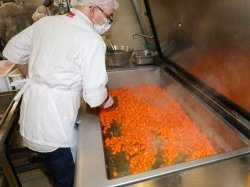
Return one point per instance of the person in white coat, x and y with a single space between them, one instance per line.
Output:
65 55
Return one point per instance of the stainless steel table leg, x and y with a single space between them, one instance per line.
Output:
9 171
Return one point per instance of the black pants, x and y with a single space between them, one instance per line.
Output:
60 166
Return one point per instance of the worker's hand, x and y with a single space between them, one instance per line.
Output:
111 102
115 104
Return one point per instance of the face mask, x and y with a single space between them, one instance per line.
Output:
102 28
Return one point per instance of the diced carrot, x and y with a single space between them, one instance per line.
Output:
152 122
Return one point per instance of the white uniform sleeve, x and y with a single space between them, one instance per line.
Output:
108 103
94 74
18 48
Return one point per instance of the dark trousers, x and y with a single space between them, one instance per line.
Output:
60 166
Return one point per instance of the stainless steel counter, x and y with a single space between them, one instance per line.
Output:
9 109
229 168
128 66
5 100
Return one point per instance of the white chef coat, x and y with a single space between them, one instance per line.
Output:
66 57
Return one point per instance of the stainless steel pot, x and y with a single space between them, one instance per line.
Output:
118 57
144 57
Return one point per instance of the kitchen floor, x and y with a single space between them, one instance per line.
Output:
33 178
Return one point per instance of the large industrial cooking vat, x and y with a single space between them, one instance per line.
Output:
91 168
203 63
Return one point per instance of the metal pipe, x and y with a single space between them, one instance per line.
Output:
139 20
151 21
142 35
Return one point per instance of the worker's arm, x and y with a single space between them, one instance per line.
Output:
18 49
110 102
94 74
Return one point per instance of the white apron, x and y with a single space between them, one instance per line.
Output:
49 115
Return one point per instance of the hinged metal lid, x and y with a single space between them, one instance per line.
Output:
210 41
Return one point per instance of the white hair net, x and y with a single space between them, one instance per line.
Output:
101 3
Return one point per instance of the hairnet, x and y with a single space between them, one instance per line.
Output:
101 3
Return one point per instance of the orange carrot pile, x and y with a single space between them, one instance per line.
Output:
153 128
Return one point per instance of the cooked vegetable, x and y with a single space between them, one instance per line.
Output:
154 130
